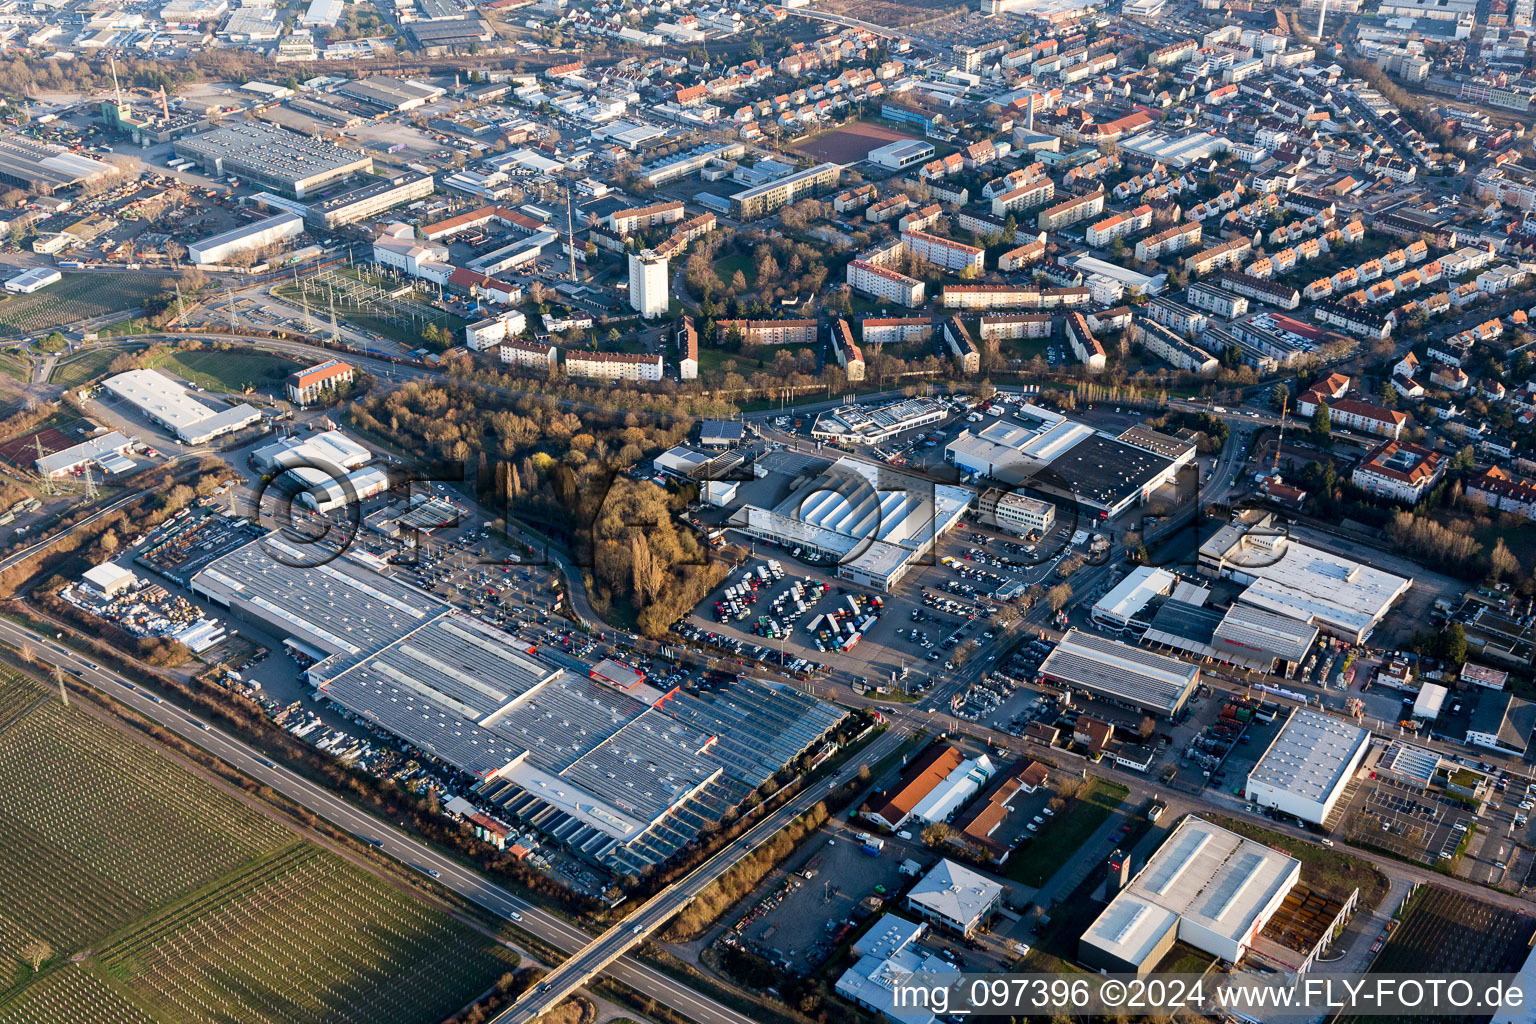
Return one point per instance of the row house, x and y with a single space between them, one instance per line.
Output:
1015 325
921 219
1226 254
1171 240
1084 345
1018 259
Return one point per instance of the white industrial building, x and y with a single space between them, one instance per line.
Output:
331 449
963 782
1342 597
954 897
29 281
1308 765
888 957
163 401
1132 594
108 451
247 238
875 522
1205 886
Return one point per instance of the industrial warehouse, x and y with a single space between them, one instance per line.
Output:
273 157
1126 675
1070 461
1308 765
1225 895
163 401
1343 597
624 775
873 521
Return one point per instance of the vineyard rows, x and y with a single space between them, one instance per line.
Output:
77 297
1447 932
70 993
96 831
309 939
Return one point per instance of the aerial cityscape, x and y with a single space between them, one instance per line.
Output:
818 512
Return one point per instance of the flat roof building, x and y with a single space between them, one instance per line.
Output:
273 157
163 401
1343 597
1308 765
271 231
1205 886
623 778
1132 594
1120 673
760 200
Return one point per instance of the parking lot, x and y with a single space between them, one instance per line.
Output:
1414 824
796 921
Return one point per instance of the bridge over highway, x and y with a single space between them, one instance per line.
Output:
589 961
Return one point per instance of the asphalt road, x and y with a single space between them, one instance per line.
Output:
616 941
471 884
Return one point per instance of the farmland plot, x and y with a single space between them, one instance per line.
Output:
165 899
76 297
1446 932
264 950
96 832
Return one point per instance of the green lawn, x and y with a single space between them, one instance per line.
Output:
73 371
711 360
16 365
1044 856
229 372
726 267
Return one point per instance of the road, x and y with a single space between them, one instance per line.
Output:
468 883
619 939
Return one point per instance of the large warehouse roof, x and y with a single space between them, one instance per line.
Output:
625 781
167 402
1109 668
1310 755
1249 634
1214 879
1343 596
1102 472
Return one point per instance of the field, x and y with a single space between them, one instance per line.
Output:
851 142
86 366
1042 857
228 372
711 360
881 12
181 960
77 297
163 898
1446 932
54 435
726 267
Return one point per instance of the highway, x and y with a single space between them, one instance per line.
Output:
611 948
616 941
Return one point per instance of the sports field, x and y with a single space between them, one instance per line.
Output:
851 142
149 894
76 297
222 371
